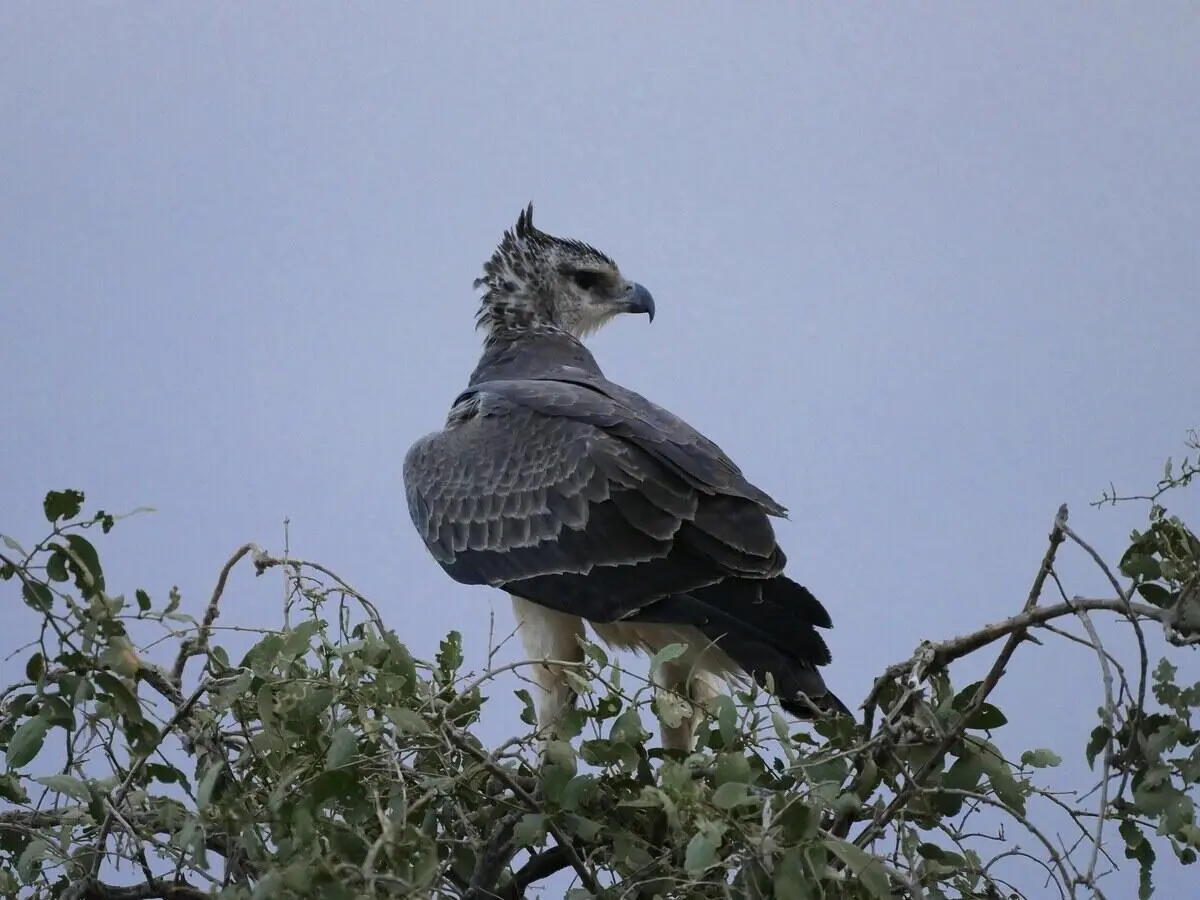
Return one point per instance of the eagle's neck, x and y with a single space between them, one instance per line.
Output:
504 311
532 353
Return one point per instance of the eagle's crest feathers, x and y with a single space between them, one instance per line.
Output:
536 281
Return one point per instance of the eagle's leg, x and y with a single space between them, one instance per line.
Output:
547 634
699 689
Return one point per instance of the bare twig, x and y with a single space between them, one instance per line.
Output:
135 769
264 561
1131 613
1110 713
199 646
1056 858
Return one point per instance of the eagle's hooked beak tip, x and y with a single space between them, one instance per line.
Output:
639 300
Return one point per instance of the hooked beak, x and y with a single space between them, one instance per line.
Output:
637 299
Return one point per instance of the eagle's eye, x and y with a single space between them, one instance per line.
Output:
585 278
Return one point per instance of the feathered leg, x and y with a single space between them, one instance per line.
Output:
700 689
549 635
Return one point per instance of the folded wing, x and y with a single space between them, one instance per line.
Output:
586 498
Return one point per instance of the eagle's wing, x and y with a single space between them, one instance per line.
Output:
535 479
568 497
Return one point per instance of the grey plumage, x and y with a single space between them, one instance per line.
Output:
582 497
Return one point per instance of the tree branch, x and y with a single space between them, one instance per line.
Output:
585 875
543 865
1015 635
199 646
155 889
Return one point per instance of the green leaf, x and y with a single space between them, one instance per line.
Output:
798 821
174 599
1156 594
528 710
27 864
576 791
595 653
965 773
732 767
341 748
869 871
964 697
1140 849
143 600
407 721
37 596
1041 758
583 827
666 654
779 723
165 774
56 566
84 563
987 717
63 505
11 788
12 545
727 721
730 795
701 851
26 742
793 881
627 728
1142 566
311 705
207 784
297 642
1006 788
1097 744
66 784
35 667
450 656
530 830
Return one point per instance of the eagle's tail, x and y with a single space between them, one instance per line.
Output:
769 628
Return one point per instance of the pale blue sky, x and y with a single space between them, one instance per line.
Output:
924 271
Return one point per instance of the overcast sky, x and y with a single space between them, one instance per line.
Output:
925 272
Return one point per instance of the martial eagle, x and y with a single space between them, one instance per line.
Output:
588 503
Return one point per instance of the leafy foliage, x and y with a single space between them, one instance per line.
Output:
328 761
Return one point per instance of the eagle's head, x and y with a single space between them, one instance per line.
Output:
535 280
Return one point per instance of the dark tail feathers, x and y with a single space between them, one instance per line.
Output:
768 627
